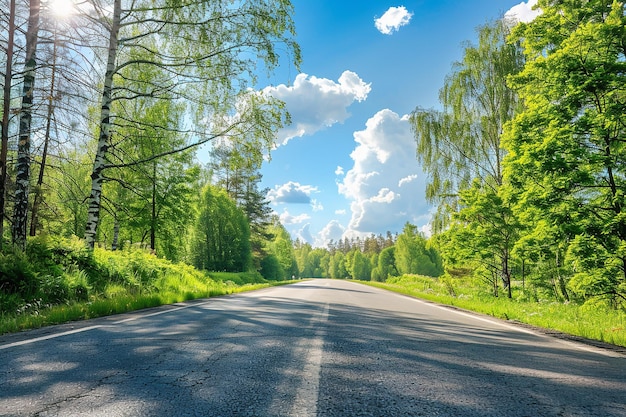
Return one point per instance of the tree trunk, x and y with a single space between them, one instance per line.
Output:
22 178
154 213
561 281
6 110
97 176
44 156
116 234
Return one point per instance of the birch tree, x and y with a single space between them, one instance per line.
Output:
22 179
460 147
6 109
210 50
462 142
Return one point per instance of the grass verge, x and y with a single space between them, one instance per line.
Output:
587 321
54 282
121 303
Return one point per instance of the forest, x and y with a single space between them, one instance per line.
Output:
105 106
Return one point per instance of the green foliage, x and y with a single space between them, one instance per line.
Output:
360 267
281 247
593 320
337 266
112 282
461 143
221 238
17 275
566 155
414 256
271 268
387 263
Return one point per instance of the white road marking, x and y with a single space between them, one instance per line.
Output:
571 344
47 337
307 394
135 316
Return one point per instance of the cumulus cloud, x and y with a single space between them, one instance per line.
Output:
317 103
316 205
392 20
523 12
286 218
339 171
385 185
291 193
304 234
407 179
332 231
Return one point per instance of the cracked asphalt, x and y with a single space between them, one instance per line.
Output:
315 348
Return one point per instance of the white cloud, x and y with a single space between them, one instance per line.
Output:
407 179
317 103
385 185
392 20
523 12
304 234
332 231
339 171
316 205
340 212
291 193
286 218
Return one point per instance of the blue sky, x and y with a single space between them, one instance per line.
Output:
347 165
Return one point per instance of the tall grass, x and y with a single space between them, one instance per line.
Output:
67 283
588 321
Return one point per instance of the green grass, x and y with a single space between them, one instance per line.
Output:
121 302
587 321
68 283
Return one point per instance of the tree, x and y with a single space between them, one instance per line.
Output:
491 232
337 266
6 108
360 266
462 142
235 166
22 179
387 263
460 147
281 247
209 49
566 149
221 238
412 255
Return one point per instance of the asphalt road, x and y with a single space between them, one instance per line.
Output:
316 348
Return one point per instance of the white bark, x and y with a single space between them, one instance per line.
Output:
22 177
97 177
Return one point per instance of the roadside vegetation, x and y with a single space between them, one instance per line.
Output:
590 320
65 281
524 162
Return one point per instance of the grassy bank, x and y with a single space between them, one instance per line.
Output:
62 282
588 321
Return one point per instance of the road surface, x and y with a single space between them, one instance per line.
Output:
316 348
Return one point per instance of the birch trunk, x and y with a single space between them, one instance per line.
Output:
44 156
97 177
6 109
22 177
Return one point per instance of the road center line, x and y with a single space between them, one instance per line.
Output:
307 394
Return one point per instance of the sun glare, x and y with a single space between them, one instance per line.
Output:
61 8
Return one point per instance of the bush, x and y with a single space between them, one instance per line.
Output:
271 269
53 289
17 275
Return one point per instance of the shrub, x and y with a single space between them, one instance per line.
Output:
17 275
